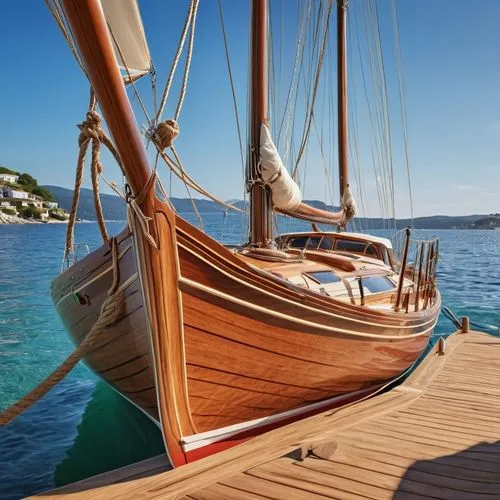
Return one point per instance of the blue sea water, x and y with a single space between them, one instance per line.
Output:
82 427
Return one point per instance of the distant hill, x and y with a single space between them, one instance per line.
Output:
492 221
113 206
114 209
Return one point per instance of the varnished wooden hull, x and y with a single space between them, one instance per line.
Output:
252 345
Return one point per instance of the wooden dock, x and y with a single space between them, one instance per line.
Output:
435 436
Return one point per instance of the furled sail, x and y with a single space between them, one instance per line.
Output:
286 194
129 40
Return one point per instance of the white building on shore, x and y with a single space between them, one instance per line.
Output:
9 178
15 193
19 200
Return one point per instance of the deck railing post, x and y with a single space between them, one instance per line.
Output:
361 291
465 324
402 270
419 280
428 270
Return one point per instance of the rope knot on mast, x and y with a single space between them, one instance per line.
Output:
165 133
91 127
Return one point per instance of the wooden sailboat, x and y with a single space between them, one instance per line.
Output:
219 344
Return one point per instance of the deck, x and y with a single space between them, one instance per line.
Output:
435 436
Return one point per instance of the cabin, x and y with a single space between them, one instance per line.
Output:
352 267
353 245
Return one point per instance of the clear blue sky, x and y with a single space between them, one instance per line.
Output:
451 57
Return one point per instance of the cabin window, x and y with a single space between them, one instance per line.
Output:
326 243
313 242
376 284
324 277
299 242
386 257
350 246
371 250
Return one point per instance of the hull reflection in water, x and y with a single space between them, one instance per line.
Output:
123 433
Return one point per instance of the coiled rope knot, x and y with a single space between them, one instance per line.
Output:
91 128
165 133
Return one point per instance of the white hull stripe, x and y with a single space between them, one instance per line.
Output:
202 439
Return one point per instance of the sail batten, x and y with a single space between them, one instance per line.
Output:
129 40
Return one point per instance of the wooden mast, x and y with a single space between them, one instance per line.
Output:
158 268
342 97
91 33
261 230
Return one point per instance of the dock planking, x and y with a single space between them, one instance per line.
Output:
437 435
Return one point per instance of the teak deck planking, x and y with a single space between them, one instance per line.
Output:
437 435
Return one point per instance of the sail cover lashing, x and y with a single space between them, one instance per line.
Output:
129 40
286 194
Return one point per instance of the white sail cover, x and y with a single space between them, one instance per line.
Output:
286 194
348 203
125 23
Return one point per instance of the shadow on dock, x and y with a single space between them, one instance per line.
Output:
468 474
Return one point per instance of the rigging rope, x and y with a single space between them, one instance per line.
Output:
386 114
164 133
91 131
176 167
193 6
399 67
374 145
60 18
231 81
294 80
188 61
354 149
305 136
